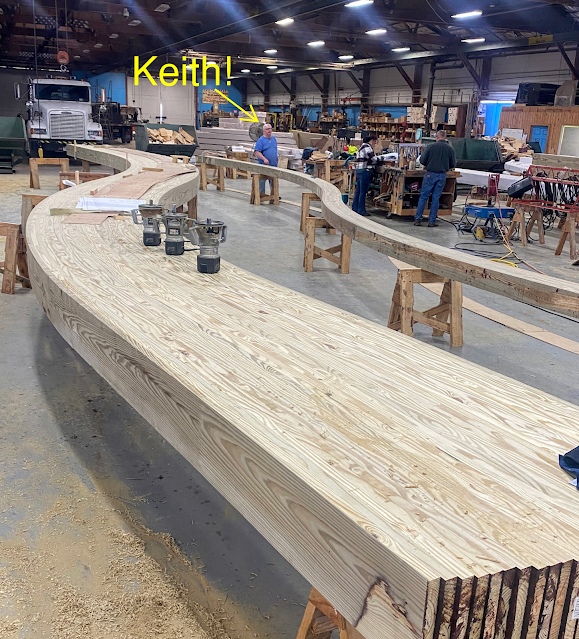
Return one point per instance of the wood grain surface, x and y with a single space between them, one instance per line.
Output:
380 467
519 284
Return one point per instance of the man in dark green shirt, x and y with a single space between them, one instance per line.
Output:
437 159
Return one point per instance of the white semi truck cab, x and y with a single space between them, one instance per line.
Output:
59 112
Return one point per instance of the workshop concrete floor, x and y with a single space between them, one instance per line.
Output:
79 464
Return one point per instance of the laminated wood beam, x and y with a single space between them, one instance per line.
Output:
385 471
523 286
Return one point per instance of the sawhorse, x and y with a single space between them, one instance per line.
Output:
321 619
445 317
33 164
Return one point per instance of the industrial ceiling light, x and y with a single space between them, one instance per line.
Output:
272 66
98 45
359 3
473 40
125 12
316 43
134 23
467 14
245 70
162 8
270 51
284 22
113 36
400 49
345 57
86 50
77 57
376 32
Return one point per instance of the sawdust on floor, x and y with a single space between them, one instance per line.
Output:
77 570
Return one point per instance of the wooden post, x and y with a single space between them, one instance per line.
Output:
536 216
192 208
11 232
203 176
85 166
406 303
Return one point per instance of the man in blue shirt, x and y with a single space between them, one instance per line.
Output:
266 152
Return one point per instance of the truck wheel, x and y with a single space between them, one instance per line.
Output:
34 146
128 137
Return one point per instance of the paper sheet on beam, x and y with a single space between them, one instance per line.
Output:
107 204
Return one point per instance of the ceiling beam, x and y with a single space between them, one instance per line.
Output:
475 76
568 62
405 75
258 87
283 84
313 79
356 81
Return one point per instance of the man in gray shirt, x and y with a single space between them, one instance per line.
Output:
437 159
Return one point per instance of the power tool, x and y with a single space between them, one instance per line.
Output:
150 218
175 228
208 236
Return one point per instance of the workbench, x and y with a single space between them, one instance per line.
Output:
401 191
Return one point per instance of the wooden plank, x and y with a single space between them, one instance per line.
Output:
570 622
479 607
467 590
507 604
533 288
449 606
492 607
549 601
10 257
525 589
537 605
434 596
562 599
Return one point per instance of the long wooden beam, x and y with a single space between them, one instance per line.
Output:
518 284
387 472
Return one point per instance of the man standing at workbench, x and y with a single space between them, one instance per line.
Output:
366 159
437 159
266 152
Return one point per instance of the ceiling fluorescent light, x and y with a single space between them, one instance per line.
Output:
245 70
345 57
467 14
162 7
98 45
376 32
113 36
284 22
270 51
134 23
272 66
358 3
473 40
316 43
400 49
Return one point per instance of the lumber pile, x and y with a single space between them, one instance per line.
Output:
167 136
513 149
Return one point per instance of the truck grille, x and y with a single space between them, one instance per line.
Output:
69 126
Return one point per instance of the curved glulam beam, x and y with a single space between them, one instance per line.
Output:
518 284
395 477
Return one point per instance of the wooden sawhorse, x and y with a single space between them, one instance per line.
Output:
313 252
568 233
80 177
256 197
217 180
307 198
33 164
321 618
15 264
525 231
445 317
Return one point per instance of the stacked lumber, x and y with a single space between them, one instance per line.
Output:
526 603
513 149
218 139
168 136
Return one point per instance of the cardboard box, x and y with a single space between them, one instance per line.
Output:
452 115
438 114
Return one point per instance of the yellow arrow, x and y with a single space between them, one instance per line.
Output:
251 117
